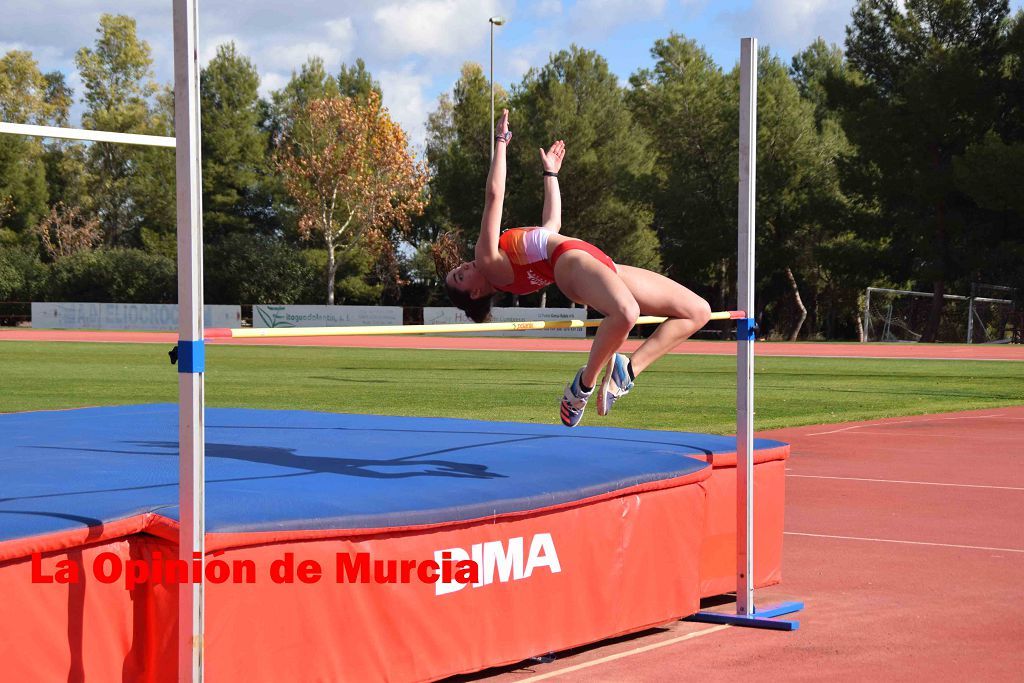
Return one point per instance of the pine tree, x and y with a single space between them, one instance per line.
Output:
234 145
119 93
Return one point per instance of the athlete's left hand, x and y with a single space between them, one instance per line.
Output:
552 159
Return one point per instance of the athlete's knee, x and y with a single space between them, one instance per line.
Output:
627 310
691 308
700 311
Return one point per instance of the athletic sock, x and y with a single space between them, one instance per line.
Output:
584 389
629 369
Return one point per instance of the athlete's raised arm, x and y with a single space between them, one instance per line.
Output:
490 225
552 161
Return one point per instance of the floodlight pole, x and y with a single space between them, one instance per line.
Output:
191 352
493 21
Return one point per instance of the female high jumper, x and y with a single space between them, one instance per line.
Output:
525 260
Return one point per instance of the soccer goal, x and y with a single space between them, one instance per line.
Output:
898 315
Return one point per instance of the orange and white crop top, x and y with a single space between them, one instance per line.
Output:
527 251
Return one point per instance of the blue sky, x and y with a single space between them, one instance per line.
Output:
415 48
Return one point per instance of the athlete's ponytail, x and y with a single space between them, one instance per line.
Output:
477 310
447 253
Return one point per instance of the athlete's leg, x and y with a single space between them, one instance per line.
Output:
658 295
585 280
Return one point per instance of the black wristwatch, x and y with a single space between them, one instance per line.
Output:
551 174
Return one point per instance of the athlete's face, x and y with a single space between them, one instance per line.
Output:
467 278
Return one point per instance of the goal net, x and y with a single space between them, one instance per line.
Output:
896 315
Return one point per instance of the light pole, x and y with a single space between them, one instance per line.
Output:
494 21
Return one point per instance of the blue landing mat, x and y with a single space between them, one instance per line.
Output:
269 470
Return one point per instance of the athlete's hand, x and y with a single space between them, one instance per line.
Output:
501 130
552 159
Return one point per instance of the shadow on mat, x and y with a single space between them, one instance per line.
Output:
426 433
412 465
287 457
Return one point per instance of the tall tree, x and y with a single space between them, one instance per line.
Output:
356 81
800 207
118 95
989 173
64 159
458 152
575 97
24 98
930 73
151 185
851 251
310 82
287 106
812 70
348 167
693 187
234 145
688 104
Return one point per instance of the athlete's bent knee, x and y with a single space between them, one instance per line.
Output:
696 309
701 312
628 312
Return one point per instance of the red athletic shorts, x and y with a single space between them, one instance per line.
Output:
569 245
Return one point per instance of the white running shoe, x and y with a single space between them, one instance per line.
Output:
615 384
574 401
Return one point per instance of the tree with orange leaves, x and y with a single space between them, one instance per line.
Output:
348 167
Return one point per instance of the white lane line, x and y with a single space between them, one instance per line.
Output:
873 424
620 655
970 417
902 422
901 481
893 540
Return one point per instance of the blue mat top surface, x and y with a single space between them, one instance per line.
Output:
269 470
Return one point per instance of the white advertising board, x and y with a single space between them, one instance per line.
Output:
324 316
93 316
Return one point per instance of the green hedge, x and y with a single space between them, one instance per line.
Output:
114 275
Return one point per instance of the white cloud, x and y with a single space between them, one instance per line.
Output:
405 98
600 17
544 9
791 25
342 31
271 81
294 55
47 57
433 28
525 56
210 45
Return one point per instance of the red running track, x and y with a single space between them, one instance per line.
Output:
802 349
903 539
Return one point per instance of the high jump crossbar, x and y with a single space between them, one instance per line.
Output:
86 135
456 328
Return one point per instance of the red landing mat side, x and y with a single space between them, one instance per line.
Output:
625 564
718 554
88 631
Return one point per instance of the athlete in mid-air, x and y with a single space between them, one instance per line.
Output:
525 260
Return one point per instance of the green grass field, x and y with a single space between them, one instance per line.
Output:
690 393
